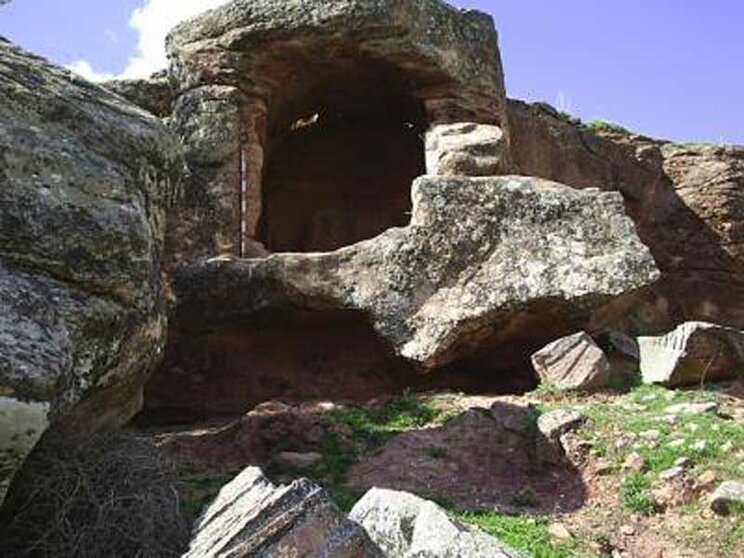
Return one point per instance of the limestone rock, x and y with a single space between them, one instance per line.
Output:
693 352
297 461
686 201
573 362
727 495
406 526
483 258
85 179
253 518
465 149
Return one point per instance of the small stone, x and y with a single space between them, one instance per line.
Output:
602 467
692 427
671 473
727 447
706 480
683 462
296 461
635 462
651 434
692 408
727 494
559 531
700 445
676 443
627 530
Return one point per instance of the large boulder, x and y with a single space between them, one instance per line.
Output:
482 263
687 202
694 352
406 526
253 518
153 94
84 182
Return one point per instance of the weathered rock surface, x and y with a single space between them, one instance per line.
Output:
727 495
253 518
482 262
694 352
247 73
84 182
406 526
687 202
465 149
573 362
478 253
552 444
153 95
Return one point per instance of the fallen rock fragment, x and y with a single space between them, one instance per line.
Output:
406 526
555 444
465 149
253 518
726 496
572 363
692 353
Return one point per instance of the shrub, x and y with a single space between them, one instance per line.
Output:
113 496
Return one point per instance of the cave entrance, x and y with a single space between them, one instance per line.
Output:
344 144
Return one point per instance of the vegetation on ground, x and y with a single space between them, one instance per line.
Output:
606 126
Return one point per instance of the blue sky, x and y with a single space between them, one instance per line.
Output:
667 68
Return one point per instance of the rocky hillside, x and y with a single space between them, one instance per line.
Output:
320 289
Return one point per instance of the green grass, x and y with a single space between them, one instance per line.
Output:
371 428
527 534
635 494
606 126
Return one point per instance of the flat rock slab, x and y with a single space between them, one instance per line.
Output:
572 363
483 258
694 352
253 518
406 526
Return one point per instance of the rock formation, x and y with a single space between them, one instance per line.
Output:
84 182
687 202
482 261
254 75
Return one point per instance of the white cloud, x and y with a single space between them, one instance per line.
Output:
152 22
84 68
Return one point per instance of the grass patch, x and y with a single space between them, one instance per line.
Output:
635 494
606 126
527 534
371 428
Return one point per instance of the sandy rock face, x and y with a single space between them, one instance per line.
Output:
253 518
84 182
480 255
687 202
694 352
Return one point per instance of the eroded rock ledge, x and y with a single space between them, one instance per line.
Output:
482 261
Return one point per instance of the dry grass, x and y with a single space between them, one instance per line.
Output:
113 496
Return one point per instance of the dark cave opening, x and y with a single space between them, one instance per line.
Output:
343 151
